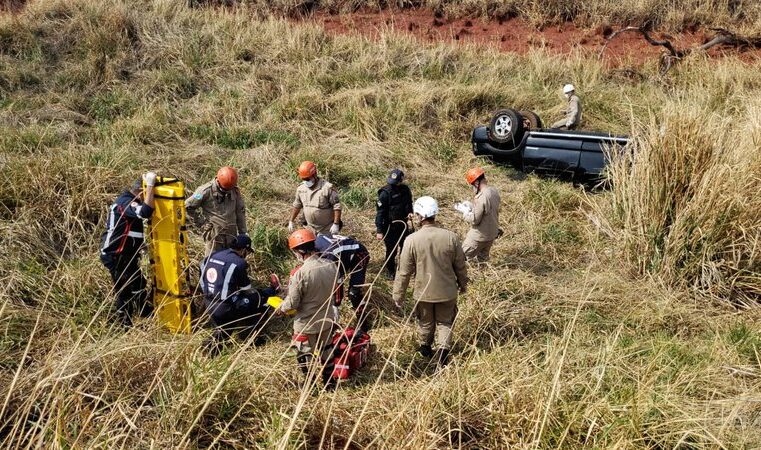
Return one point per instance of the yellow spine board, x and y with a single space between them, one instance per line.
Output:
167 245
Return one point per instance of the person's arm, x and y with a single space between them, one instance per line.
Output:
479 210
297 206
241 278
404 274
193 206
381 214
573 110
335 202
293 299
460 268
240 215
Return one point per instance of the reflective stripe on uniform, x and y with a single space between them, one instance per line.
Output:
226 283
135 234
342 248
247 287
111 225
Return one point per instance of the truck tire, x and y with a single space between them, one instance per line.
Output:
533 119
506 125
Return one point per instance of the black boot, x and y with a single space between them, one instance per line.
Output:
425 350
304 362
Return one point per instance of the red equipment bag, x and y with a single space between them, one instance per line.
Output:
349 351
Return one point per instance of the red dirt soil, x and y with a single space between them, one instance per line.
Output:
518 35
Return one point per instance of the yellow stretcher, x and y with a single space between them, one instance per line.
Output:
168 249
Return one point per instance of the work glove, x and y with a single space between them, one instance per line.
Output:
464 207
334 229
291 226
379 236
150 179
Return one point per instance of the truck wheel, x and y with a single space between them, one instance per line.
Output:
532 118
506 126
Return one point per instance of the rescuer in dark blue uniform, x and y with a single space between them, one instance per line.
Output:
352 258
121 245
231 301
394 208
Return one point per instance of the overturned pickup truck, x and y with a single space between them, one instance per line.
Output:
517 138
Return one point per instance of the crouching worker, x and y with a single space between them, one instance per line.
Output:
435 258
122 243
352 258
231 301
310 294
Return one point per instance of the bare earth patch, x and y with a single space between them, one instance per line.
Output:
517 35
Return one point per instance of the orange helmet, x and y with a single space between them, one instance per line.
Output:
473 174
300 237
227 177
307 170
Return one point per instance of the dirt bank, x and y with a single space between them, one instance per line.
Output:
516 35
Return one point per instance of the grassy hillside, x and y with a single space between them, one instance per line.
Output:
604 320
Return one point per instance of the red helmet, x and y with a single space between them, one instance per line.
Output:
307 170
227 177
474 174
300 237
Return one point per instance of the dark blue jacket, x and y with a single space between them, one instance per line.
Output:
124 232
224 274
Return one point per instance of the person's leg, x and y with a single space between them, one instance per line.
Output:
129 286
426 325
357 278
470 248
221 318
484 249
559 125
445 314
393 241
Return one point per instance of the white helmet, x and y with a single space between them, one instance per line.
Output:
568 88
426 207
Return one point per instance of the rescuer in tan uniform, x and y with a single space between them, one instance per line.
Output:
573 111
434 256
482 215
217 208
319 200
310 293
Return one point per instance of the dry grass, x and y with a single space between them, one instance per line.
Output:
570 338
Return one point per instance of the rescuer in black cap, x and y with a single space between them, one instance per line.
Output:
394 209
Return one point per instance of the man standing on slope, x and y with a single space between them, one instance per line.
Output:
122 242
482 215
434 256
310 293
217 208
231 301
394 208
573 111
319 200
352 258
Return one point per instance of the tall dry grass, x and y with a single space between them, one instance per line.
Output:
560 341
684 203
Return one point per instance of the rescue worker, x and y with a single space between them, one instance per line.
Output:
482 215
218 210
435 258
572 112
121 245
319 200
310 293
394 208
231 301
352 258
